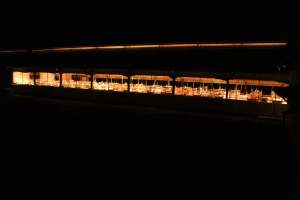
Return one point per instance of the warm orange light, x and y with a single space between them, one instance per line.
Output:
239 89
151 46
258 83
110 47
177 45
65 49
149 77
201 80
151 84
114 76
140 46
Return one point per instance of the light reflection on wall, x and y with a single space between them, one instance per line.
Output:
110 82
206 87
151 84
237 89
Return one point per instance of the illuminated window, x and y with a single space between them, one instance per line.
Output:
47 79
255 90
23 78
238 89
206 87
74 80
110 82
151 84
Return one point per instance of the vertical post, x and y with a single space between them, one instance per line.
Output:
34 78
60 79
92 79
227 88
107 83
128 83
173 85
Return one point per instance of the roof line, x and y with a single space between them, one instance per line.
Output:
152 46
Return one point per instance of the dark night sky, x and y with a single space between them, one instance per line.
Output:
47 24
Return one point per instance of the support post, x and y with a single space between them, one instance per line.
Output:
227 88
173 85
128 83
92 79
60 79
34 78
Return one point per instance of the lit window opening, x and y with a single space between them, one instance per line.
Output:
110 82
151 84
47 79
23 78
237 89
255 90
76 80
206 87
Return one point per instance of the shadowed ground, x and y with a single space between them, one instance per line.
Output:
134 148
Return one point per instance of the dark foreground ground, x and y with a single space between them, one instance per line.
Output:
59 145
